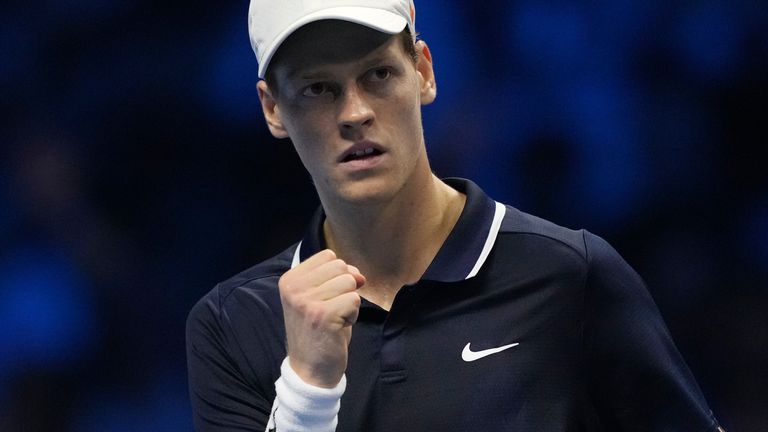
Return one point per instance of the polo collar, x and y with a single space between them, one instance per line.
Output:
464 251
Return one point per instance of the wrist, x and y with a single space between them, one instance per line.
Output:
300 406
311 375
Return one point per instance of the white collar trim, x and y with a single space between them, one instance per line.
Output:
493 233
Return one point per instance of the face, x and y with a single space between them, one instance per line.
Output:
350 100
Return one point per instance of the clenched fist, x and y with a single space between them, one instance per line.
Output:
320 304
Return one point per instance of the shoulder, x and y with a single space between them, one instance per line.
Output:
260 279
588 247
519 223
236 301
541 245
238 325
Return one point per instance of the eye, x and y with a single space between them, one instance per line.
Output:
316 89
380 74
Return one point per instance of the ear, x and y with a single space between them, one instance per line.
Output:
271 110
427 84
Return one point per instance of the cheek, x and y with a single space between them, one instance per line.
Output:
307 130
413 99
310 136
408 114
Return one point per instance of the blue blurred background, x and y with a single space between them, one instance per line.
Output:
136 172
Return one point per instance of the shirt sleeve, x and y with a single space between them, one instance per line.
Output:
638 379
223 399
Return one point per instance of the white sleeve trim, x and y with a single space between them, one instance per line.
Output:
301 407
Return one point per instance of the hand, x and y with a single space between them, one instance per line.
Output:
320 305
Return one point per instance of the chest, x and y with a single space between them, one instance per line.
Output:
492 353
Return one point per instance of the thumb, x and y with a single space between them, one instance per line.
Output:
355 272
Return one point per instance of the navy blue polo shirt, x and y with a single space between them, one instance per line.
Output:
517 325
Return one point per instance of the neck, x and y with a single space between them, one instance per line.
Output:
393 242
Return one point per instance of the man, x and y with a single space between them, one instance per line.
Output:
415 303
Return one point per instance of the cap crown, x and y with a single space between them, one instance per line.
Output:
270 22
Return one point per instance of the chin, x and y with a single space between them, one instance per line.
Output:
366 192
363 196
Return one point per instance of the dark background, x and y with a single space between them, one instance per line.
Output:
136 172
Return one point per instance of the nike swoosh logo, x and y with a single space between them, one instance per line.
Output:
469 356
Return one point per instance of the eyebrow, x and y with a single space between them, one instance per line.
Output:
377 59
310 74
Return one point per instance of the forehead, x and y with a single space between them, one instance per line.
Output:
327 42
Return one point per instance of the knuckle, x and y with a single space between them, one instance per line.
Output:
339 265
293 303
285 283
349 281
298 305
291 296
328 254
355 299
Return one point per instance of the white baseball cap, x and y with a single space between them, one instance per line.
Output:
270 22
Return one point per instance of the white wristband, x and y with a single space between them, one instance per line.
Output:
301 407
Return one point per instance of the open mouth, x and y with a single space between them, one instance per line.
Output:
367 153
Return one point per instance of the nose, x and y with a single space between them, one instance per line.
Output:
355 112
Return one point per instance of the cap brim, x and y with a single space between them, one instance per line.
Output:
377 19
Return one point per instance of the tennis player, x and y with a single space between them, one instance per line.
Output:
415 303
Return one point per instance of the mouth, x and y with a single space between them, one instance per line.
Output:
366 153
361 152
